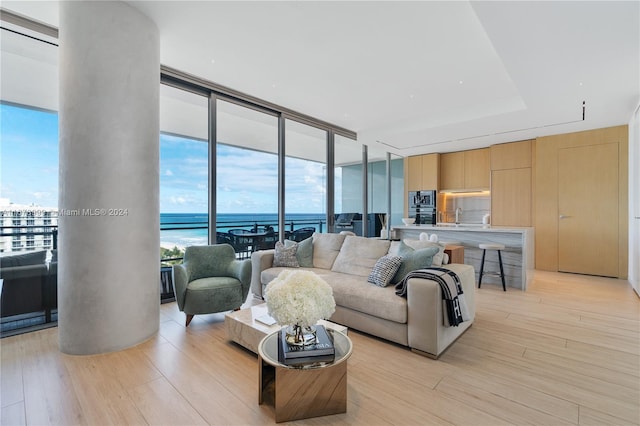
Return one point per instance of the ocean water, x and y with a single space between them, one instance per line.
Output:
186 229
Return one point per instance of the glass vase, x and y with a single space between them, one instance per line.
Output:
300 336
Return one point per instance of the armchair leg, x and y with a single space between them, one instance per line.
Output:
189 318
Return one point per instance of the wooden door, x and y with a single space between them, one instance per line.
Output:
588 210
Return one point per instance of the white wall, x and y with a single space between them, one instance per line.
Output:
634 201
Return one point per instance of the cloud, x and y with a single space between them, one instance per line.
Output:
168 173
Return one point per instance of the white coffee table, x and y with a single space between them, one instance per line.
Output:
243 328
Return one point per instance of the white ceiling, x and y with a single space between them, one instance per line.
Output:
416 76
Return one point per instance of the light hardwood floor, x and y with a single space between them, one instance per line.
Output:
564 352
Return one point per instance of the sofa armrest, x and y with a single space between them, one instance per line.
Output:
426 330
260 260
180 281
241 269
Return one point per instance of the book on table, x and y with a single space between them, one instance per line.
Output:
266 319
320 351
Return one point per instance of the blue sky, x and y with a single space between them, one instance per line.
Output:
246 180
28 156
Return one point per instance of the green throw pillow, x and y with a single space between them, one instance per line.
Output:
412 260
304 254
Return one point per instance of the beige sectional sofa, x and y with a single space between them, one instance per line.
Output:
345 262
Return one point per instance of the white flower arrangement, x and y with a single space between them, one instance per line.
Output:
299 297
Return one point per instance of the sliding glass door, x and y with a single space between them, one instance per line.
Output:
246 178
348 178
305 173
184 165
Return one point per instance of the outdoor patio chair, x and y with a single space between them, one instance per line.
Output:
302 234
242 241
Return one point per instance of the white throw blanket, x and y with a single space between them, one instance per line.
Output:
454 305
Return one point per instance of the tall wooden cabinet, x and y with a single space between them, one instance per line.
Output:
511 184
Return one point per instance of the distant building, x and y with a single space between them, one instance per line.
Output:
26 227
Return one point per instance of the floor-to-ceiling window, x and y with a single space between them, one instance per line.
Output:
348 180
184 167
246 178
377 190
305 180
29 179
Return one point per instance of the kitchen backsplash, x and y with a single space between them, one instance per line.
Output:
473 207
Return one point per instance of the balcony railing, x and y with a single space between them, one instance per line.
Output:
256 236
40 287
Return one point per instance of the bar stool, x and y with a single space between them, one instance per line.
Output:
492 246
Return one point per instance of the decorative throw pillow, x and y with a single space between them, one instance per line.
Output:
438 259
305 253
286 256
384 269
412 260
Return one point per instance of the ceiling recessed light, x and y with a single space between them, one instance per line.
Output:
580 83
411 96
213 61
273 85
461 82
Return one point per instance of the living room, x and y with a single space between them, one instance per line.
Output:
533 356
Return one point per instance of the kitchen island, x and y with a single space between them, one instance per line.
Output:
517 257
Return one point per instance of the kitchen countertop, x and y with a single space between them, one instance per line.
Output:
518 254
472 227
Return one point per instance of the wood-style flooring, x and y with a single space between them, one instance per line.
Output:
565 352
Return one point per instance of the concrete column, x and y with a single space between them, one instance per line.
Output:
109 244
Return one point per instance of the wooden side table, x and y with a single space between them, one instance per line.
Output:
301 392
456 253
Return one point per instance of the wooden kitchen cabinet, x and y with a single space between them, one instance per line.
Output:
466 169
511 197
511 184
423 172
414 173
452 170
477 168
513 155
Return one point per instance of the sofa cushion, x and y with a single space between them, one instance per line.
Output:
412 260
384 270
325 249
354 292
358 255
438 258
34 258
270 274
285 255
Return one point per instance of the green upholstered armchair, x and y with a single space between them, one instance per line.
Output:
210 279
